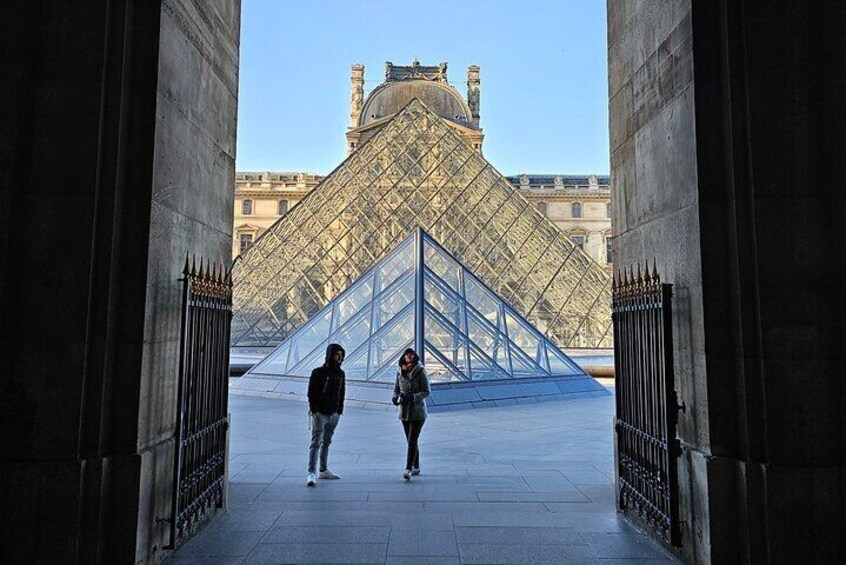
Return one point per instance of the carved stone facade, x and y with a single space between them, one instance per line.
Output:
401 85
261 199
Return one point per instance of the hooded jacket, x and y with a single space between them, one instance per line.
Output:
327 385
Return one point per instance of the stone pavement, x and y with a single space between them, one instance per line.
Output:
519 484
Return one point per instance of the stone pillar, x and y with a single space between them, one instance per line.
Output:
726 128
117 147
356 94
473 83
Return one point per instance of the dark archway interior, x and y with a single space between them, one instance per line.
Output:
727 155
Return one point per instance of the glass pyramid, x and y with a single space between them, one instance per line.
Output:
420 296
417 171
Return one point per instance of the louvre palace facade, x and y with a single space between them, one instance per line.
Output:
580 205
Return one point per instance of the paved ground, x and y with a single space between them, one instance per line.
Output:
519 484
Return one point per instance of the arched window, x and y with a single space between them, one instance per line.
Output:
579 240
577 210
541 207
608 210
608 253
283 207
247 207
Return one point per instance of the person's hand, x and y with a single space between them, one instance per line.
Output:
395 400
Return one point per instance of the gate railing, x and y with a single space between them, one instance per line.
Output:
647 408
199 471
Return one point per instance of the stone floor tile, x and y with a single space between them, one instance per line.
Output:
472 554
244 520
420 560
411 541
278 553
207 543
505 535
322 534
623 546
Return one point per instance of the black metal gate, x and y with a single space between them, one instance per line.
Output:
647 408
199 472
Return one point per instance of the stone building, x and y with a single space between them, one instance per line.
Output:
261 199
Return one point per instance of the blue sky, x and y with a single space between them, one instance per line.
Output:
544 92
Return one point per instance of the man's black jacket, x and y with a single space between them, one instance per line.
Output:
327 385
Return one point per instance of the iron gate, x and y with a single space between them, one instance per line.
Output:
647 408
199 471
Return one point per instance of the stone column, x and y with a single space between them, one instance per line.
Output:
473 83
356 94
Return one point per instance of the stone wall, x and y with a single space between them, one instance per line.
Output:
117 157
727 176
655 203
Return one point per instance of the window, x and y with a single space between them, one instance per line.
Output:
608 253
608 210
247 207
577 210
579 240
245 241
541 207
283 207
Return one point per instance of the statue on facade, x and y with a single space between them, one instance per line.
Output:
389 71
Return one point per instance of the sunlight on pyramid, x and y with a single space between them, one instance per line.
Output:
417 172
468 332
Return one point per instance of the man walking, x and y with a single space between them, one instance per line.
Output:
326 389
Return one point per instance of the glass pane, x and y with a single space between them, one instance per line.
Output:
312 335
397 298
559 364
387 347
524 338
488 340
440 370
482 369
354 333
482 300
441 265
446 303
275 363
314 359
355 365
449 342
354 299
401 262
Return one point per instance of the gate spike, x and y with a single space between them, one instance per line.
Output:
639 276
185 270
654 269
193 265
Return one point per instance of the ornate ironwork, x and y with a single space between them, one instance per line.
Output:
418 172
647 408
202 424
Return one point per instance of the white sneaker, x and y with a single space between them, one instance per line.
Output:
327 474
311 479
406 474
415 471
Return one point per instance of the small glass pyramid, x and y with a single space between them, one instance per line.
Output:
420 296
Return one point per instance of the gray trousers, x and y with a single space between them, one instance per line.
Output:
322 429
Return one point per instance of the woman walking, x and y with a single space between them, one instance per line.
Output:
410 391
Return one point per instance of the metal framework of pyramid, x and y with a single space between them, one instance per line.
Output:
420 296
417 172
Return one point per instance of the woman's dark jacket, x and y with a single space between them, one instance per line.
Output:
327 386
416 383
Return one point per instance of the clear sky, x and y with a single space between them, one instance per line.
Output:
544 90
